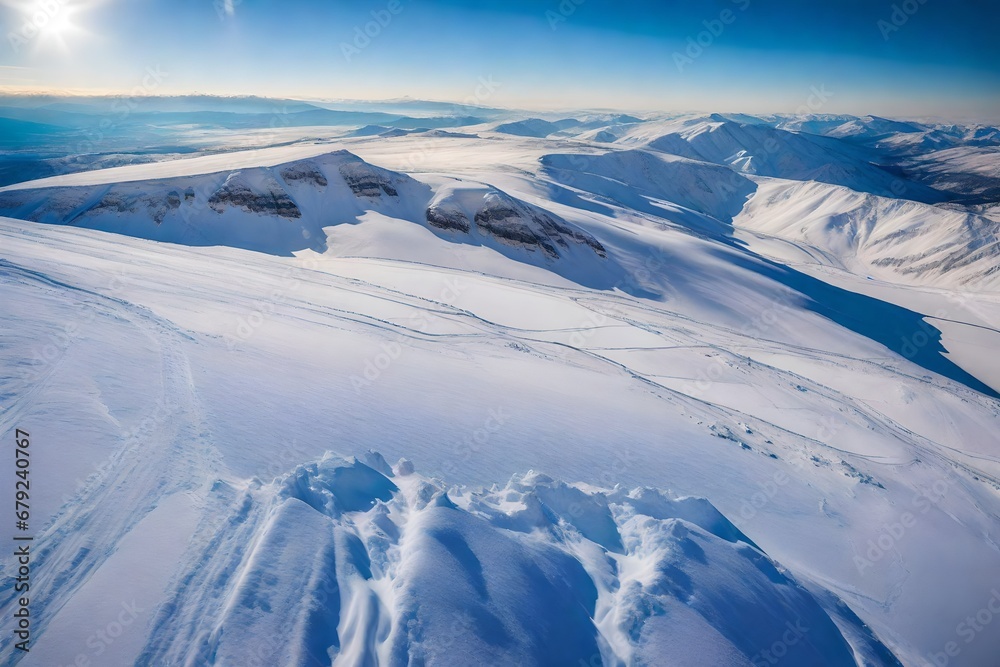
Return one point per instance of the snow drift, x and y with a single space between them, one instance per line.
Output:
355 563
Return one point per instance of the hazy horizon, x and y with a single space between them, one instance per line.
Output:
332 102
912 59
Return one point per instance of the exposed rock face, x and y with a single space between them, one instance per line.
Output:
515 223
115 203
368 181
448 218
943 259
119 202
507 224
269 198
304 172
186 207
159 209
506 220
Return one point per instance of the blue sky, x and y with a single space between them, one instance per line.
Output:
930 57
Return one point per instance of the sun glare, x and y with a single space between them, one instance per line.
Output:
48 24
59 24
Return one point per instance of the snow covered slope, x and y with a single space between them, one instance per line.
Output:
534 127
896 239
630 176
361 561
766 151
284 208
484 308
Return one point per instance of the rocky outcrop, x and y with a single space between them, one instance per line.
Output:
506 223
304 172
267 198
515 223
368 181
493 216
448 218
119 203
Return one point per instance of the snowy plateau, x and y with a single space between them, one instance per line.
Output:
584 390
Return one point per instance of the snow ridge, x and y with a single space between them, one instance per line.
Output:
370 565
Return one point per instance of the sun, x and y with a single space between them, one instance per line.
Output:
49 24
58 23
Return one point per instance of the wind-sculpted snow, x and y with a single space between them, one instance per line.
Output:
484 305
339 563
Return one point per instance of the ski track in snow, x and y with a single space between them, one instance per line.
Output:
137 478
82 535
329 560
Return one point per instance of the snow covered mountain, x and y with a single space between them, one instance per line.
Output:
898 239
668 399
769 151
284 208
